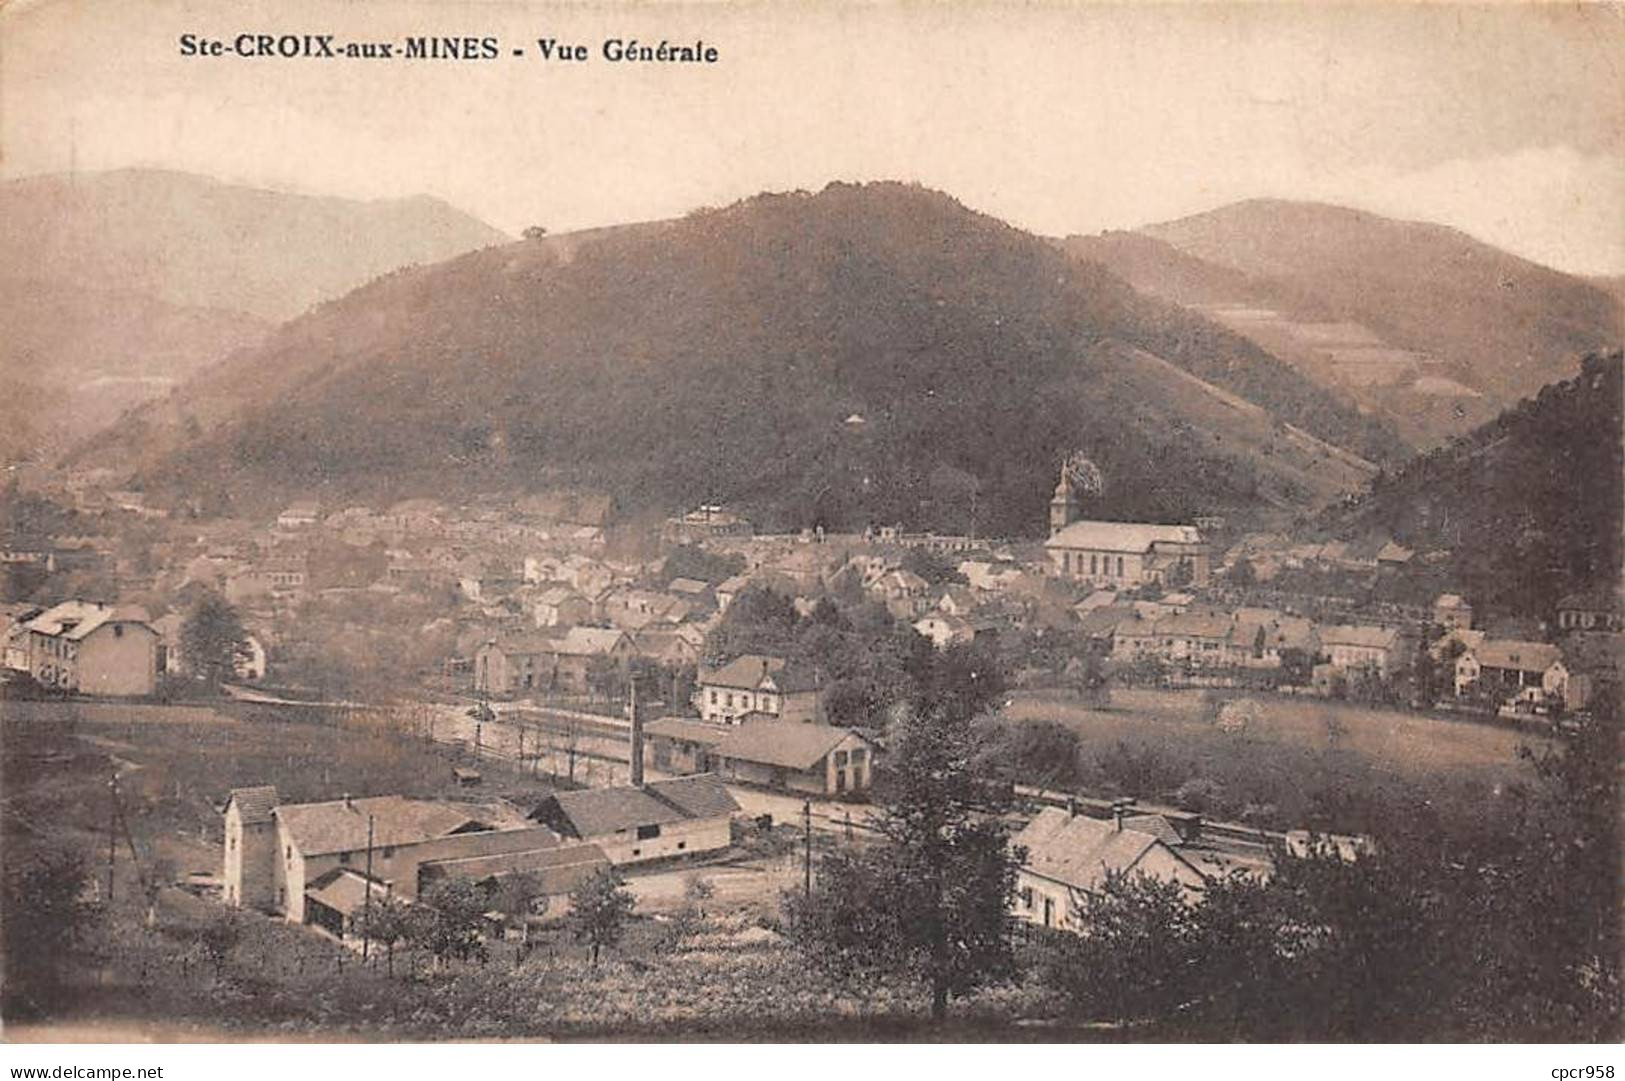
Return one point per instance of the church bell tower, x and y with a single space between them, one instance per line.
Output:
1063 508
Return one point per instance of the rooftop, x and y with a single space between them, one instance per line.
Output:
341 825
254 804
1122 536
1082 852
597 812
790 744
75 620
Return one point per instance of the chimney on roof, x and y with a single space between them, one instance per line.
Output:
349 804
1072 806
1120 811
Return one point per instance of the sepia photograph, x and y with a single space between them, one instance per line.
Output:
835 523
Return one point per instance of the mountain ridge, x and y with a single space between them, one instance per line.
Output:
967 345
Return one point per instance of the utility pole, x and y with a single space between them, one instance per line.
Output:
112 826
366 899
806 862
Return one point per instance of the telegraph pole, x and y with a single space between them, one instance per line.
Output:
366 899
806 861
112 826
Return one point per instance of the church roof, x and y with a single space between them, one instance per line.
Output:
1135 537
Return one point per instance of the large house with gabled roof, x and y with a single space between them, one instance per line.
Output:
754 685
1070 856
313 862
93 647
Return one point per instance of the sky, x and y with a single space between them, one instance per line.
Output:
1505 121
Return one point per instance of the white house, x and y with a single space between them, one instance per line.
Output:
1070 856
93 647
754 684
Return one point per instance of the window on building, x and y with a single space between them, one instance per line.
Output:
637 852
857 755
713 698
840 759
646 833
681 845
344 857
389 851
287 853
1119 566
1026 897
1094 563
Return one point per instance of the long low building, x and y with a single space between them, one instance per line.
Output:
310 862
815 759
682 817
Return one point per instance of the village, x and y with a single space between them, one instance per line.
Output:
669 729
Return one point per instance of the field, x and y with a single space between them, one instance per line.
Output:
1297 761
725 975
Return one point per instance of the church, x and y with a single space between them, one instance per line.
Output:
1120 554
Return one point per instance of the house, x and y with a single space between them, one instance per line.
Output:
1504 667
674 647
93 647
1593 662
314 863
300 515
1452 613
956 600
945 629
904 593
730 588
1392 557
1598 610
691 589
756 684
1358 646
552 662
704 522
560 606
1259 637
1071 856
811 758
1121 555
1100 625
681 817
1196 638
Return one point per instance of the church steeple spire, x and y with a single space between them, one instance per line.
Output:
1063 508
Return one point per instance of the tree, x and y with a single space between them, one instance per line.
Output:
213 639
599 908
931 566
932 902
219 937
42 916
534 232
447 921
519 896
387 922
1242 573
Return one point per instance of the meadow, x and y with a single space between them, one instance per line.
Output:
1295 761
